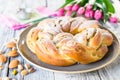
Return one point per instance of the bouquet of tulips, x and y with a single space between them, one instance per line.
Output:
101 10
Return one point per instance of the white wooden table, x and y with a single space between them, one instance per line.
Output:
110 72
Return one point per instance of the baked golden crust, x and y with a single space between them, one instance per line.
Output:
65 41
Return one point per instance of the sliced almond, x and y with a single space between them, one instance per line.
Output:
20 67
3 58
1 67
24 72
11 44
27 66
13 53
13 64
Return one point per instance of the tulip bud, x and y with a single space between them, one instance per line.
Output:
68 13
89 14
75 7
60 12
89 7
113 19
81 11
68 8
98 15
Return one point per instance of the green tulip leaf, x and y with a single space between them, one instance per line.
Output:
109 6
68 2
95 7
83 2
92 2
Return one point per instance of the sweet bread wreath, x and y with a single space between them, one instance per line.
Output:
65 41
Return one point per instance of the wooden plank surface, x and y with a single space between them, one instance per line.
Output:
111 72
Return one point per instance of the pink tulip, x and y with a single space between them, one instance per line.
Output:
89 14
68 13
60 12
89 7
75 7
81 11
98 15
113 19
68 8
